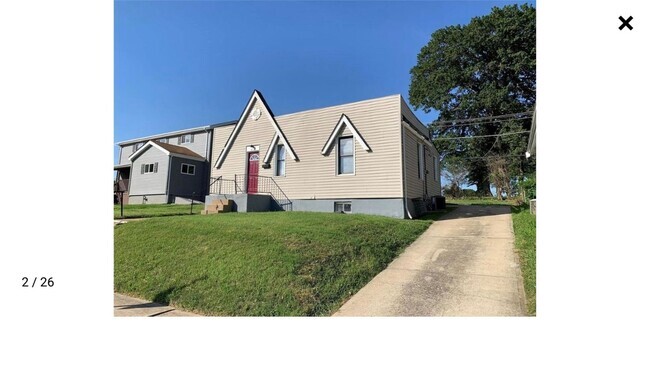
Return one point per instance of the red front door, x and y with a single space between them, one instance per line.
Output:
253 170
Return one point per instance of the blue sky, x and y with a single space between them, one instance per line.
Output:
185 64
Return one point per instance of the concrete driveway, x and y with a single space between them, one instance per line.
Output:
463 265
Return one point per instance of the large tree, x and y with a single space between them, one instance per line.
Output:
485 68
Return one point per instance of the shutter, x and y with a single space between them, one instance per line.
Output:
179 139
141 169
155 167
191 138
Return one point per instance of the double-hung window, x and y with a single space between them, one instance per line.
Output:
280 160
187 169
186 138
149 168
346 155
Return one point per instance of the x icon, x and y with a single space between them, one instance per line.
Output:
626 22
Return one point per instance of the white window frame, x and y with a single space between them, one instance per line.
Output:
188 169
277 160
343 204
137 146
338 156
189 138
421 161
163 140
148 170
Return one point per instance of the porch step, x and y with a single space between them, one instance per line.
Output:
218 206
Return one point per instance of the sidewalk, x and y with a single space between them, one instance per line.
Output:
125 306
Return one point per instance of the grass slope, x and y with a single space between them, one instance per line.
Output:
155 210
268 264
525 228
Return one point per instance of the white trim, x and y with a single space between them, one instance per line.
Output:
189 137
343 121
188 169
269 151
277 161
354 157
141 150
255 97
145 169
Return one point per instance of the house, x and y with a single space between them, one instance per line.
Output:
172 167
372 156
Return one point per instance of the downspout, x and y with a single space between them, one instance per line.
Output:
208 156
169 177
404 184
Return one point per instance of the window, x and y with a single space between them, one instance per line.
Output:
137 146
280 160
149 168
342 207
186 138
163 140
421 169
435 168
346 155
187 169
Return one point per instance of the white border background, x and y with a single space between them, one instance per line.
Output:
56 87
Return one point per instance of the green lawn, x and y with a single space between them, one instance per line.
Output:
524 225
265 264
156 210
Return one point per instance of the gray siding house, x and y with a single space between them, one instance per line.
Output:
165 168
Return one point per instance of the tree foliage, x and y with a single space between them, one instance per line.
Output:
485 68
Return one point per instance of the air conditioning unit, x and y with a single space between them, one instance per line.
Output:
438 202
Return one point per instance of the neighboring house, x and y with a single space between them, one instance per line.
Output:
165 168
372 156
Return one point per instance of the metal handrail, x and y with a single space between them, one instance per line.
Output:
217 186
267 185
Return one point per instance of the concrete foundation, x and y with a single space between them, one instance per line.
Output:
392 207
245 202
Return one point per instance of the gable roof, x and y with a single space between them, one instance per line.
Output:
168 149
343 122
242 119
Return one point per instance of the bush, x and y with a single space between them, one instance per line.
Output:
469 193
528 188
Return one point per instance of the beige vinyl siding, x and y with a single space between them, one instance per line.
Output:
415 186
377 173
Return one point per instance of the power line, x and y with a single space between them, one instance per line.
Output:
486 157
459 124
489 135
491 117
